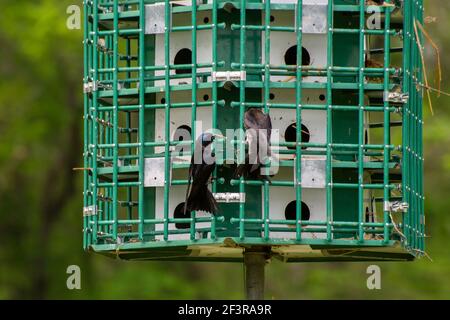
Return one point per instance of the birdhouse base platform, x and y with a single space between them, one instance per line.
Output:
232 250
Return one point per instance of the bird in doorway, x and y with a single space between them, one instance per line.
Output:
258 126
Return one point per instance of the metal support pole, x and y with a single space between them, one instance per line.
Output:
254 274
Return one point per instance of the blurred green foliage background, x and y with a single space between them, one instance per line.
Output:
41 197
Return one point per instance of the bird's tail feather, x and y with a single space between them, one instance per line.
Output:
201 199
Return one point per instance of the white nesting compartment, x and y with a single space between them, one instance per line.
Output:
282 206
180 48
314 40
283 120
181 117
282 199
177 197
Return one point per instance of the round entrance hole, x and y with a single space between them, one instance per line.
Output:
290 57
179 214
291 133
184 56
290 214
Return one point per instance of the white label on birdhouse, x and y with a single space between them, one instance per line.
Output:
155 18
229 197
313 173
314 18
229 76
154 172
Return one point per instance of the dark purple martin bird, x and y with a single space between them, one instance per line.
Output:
203 163
258 127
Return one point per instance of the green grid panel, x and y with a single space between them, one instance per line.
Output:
122 82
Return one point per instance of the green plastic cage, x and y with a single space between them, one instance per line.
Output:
350 180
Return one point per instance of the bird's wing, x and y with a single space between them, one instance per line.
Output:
256 119
250 122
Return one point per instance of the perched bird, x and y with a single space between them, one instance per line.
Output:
258 127
203 162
